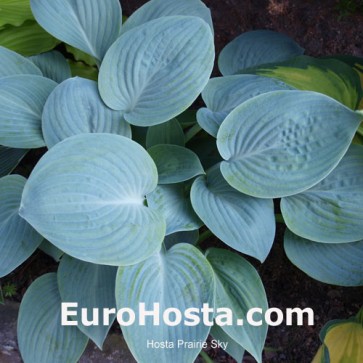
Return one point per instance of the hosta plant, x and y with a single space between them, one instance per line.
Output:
131 175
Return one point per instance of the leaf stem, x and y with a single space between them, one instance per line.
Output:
205 357
206 234
360 129
271 349
359 316
279 218
192 132
1 296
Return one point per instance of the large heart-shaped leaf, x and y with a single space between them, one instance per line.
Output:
9 159
175 163
155 9
18 240
244 223
254 48
166 133
75 107
92 287
173 202
27 39
239 288
89 25
41 337
13 63
180 278
53 65
328 76
337 264
332 210
22 98
223 94
155 71
86 196
283 142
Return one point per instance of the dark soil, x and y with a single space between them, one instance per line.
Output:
323 28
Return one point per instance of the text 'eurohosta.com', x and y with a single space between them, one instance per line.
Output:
71 314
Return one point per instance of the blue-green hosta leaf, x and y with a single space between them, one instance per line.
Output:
332 210
175 163
283 142
180 278
328 76
190 237
233 348
210 121
155 9
92 287
75 107
239 288
22 98
244 223
14 12
86 196
89 25
13 63
27 39
223 94
41 337
53 65
155 71
51 250
173 202
166 133
254 48
18 240
337 263
9 159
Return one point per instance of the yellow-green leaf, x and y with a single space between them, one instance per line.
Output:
80 56
15 12
320 355
344 342
27 39
357 64
81 69
331 77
